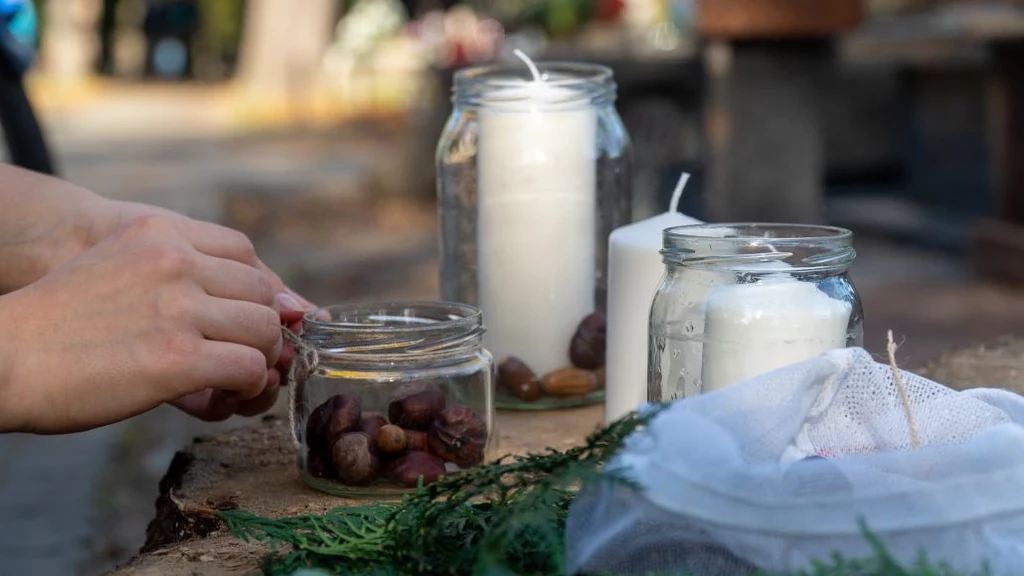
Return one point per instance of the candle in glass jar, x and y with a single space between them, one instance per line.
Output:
750 329
536 222
634 269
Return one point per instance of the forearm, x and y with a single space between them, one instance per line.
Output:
44 222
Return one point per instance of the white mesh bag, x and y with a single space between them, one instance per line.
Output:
780 470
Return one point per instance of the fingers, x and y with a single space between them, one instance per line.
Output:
215 405
209 405
229 367
233 280
244 323
217 241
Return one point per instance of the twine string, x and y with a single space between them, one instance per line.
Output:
303 364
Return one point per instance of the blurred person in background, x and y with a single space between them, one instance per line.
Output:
25 143
112 308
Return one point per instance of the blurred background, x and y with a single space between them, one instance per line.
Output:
310 125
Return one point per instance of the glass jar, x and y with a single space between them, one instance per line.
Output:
533 175
385 395
738 300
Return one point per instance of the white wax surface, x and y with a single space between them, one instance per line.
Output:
537 224
634 270
755 328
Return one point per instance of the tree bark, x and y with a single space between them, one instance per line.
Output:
70 40
283 42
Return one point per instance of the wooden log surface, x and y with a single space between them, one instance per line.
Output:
255 469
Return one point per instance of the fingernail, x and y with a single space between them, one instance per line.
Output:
305 304
287 301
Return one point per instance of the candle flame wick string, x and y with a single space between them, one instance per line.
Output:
677 194
529 64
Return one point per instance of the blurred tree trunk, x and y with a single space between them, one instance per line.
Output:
283 42
70 38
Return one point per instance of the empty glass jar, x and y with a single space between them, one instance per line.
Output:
533 175
389 395
738 300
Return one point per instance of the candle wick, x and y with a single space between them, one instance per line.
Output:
529 64
678 192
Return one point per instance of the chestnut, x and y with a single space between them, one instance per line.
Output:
516 377
391 439
416 440
318 465
408 469
355 459
416 406
458 435
346 417
371 423
337 415
587 348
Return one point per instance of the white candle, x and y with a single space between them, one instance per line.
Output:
755 328
537 219
634 270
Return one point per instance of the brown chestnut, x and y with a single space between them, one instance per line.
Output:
346 418
587 348
415 407
372 422
355 459
416 440
391 439
517 378
408 469
458 435
337 415
318 465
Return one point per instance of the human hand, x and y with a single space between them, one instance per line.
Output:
165 309
213 405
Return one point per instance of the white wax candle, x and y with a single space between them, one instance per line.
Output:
536 220
634 270
755 328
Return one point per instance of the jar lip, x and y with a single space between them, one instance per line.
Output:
759 247
392 317
509 87
504 75
744 232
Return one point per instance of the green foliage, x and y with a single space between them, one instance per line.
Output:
506 518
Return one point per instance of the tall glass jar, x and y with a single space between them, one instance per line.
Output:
533 175
388 395
738 300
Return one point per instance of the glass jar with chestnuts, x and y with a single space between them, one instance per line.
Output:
390 395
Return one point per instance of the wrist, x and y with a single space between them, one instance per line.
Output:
50 223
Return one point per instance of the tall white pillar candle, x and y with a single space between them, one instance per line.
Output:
634 269
537 220
751 329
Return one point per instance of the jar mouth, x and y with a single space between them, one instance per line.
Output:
757 246
508 86
392 328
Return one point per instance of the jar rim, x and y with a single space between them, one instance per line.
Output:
744 232
571 84
574 73
384 317
758 247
